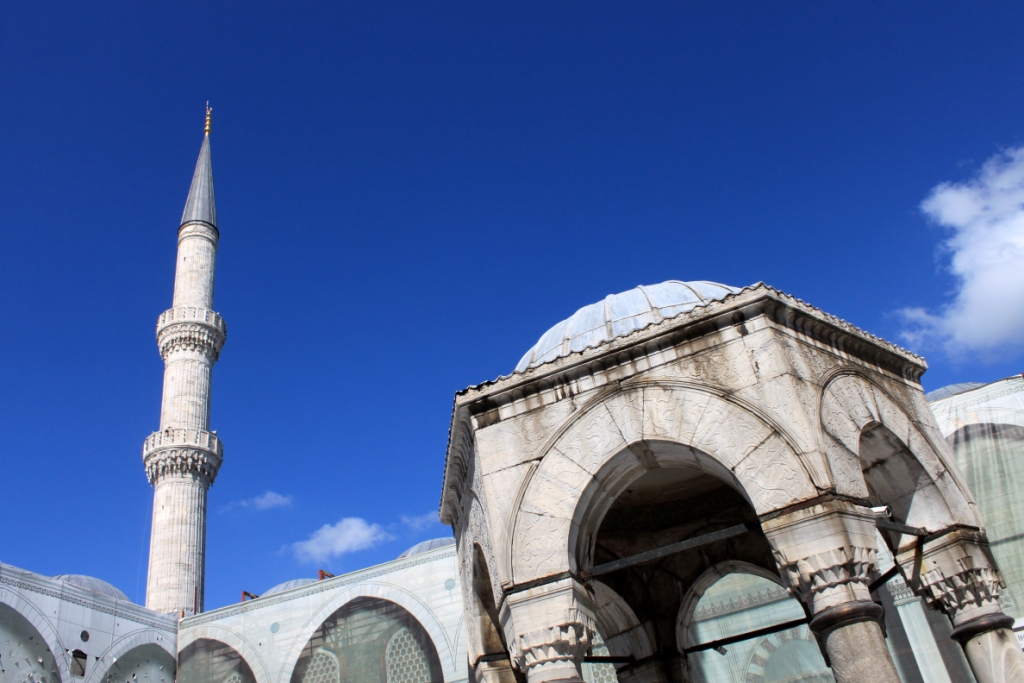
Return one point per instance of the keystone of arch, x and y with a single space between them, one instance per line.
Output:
620 436
380 591
232 639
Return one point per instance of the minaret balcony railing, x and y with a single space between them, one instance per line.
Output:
177 451
191 328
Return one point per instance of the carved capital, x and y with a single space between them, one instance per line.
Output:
182 451
972 588
191 328
956 575
818 575
555 647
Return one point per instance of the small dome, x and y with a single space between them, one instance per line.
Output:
619 314
287 586
951 390
427 546
91 583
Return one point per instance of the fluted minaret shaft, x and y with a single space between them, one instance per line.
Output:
182 459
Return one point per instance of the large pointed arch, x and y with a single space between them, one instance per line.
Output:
42 626
617 438
861 424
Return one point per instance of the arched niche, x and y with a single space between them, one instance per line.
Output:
25 656
735 598
148 663
369 640
211 661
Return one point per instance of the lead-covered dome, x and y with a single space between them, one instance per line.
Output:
619 314
287 586
91 583
427 546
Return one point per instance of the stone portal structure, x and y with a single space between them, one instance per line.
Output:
182 459
672 435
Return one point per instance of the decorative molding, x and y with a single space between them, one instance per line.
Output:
825 571
169 626
319 587
182 451
191 328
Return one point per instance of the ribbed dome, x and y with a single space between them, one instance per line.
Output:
619 314
91 583
287 586
427 546
951 390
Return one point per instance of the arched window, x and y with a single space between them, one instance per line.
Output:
369 641
211 661
739 603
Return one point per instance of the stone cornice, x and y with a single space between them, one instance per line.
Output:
191 328
182 451
319 587
659 343
20 579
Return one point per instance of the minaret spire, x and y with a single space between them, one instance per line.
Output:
183 458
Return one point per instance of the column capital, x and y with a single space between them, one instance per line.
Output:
956 575
549 629
826 553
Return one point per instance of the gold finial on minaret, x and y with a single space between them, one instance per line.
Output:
209 110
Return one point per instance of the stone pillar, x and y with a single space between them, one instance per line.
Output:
549 629
955 574
826 556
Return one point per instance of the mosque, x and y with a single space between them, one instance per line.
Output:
683 482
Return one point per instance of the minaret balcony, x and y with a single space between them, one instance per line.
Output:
176 451
191 328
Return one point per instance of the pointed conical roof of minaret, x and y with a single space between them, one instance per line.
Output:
200 205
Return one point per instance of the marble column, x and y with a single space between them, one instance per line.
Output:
826 555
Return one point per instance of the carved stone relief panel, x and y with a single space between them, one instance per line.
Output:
556 488
627 412
847 475
672 415
773 478
727 432
520 439
591 440
793 404
768 357
540 547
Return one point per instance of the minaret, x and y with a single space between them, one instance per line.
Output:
182 459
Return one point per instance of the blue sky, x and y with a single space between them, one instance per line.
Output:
410 194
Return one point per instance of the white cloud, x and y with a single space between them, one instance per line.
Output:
421 522
264 501
331 540
986 218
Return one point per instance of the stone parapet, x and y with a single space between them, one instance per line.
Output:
182 451
191 328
